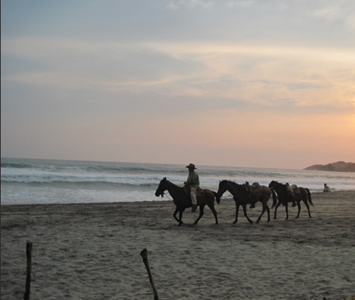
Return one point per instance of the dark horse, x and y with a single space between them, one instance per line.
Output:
242 195
287 193
262 193
183 201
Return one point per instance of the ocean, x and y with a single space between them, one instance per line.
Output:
37 181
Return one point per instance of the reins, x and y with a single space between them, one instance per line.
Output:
167 196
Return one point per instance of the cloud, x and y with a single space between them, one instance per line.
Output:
190 4
243 4
121 74
258 74
328 13
336 11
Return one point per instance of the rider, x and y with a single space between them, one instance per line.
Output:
193 181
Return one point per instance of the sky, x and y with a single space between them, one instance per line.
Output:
248 83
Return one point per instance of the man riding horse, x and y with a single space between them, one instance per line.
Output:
193 183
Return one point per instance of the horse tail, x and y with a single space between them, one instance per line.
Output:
217 197
309 196
274 199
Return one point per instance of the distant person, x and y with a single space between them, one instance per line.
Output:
193 182
326 188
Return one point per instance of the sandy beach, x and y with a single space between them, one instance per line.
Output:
92 251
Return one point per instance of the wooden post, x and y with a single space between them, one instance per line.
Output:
144 254
29 267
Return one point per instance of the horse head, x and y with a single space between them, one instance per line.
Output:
283 190
273 184
161 188
222 188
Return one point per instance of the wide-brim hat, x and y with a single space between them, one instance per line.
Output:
191 166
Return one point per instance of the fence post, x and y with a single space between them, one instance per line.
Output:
144 254
29 267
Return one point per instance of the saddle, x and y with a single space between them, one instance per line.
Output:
295 188
187 190
256 187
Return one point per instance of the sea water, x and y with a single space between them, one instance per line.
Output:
33 181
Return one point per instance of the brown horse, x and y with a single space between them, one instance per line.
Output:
262 193
303 194
183 200
288 194
241 195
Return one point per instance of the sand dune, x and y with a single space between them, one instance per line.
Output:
93 252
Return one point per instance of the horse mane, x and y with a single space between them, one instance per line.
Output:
233 182
229 181
275 182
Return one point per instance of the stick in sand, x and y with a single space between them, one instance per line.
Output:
29 267
144 254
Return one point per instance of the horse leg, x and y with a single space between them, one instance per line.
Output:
268 212
306 196
245 214
265 207
308 208
286 209
236 213
201 214
211 206
278 204
258 220
174 215
299 209
180 217
274 199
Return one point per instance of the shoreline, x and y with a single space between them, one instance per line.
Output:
139 201
92 251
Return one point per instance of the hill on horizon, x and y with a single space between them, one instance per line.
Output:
340 166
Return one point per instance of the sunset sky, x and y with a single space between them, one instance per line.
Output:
253 83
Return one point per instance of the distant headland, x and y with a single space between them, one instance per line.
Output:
340 166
